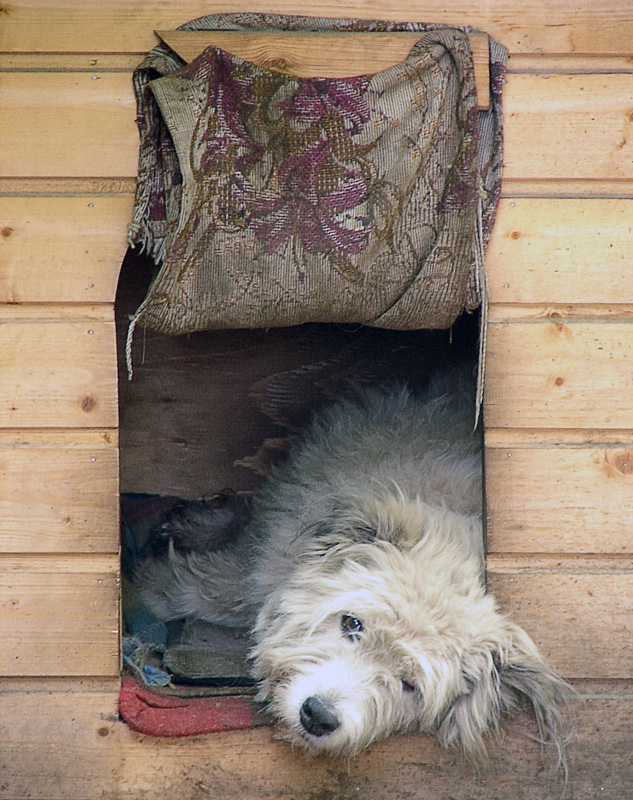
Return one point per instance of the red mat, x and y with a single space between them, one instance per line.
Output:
157 715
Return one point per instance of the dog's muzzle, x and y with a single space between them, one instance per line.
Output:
317 716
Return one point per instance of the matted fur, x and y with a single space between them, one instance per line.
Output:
361 575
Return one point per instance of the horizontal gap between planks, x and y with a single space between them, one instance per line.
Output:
52 187
568 63
547 63
55 438
559 563
56 312
516 187
578 188
70 62
600 313
603 688
587 688
532 438
54 563
63 685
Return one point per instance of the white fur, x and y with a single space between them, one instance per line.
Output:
375 515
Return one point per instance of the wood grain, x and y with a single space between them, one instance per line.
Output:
559 374
558 128
336 55
56 623
43 726
568 126
582 622
127 25
569 312
59 492
558 251
68 124
559 499
56 371
62 249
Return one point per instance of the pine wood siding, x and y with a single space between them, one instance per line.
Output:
558 410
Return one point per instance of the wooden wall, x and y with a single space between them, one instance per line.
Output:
559 439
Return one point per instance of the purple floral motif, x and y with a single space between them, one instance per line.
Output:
301 208
316 97
227 101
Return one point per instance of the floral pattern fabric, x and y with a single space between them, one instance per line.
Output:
273 200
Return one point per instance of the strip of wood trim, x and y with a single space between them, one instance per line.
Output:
54 563
17 438
84 685
571 188
610 563
512 187
576 312
56 312
70 62
35 187
544 64
556 437
570 63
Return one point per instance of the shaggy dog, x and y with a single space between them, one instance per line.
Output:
361 576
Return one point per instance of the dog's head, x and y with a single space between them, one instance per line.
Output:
372 637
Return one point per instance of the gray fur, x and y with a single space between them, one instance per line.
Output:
376 513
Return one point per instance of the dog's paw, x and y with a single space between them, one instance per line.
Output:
201 526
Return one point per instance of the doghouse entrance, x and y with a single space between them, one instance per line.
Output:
209 412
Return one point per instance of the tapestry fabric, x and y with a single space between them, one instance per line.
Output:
269 200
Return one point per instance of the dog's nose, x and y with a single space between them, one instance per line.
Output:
317 716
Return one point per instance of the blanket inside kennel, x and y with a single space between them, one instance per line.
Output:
182 678
269 200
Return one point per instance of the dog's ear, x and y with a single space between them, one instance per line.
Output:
498 679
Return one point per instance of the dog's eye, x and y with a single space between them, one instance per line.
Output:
351 626
408 686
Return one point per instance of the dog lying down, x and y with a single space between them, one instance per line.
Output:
361 576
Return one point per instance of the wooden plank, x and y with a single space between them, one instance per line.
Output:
70 62
558 374
336 55
560 563
561 251
212 410
559 127
59 492
59 563
513 312
559 500
82 240
539 437
582 622
75 124
56 623
568 62
567 188
64 186
56 372
543 63
69 746
66 750
568 126
549 189
128 25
